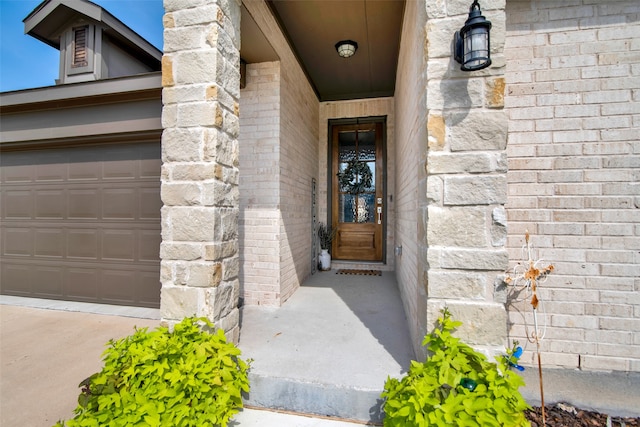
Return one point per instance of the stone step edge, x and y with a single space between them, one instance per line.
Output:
311 416
313 398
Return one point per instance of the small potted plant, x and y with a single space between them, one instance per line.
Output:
326 235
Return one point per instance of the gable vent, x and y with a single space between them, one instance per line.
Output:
80 49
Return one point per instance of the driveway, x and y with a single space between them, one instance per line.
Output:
44 354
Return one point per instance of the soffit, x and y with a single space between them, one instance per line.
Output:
313 27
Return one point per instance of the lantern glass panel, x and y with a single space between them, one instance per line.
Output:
476 47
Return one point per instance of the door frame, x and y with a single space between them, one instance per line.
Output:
356 121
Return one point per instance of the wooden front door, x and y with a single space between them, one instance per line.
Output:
357 191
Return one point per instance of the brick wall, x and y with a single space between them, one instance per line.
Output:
259 185
298 165
293 152
410 199
573 99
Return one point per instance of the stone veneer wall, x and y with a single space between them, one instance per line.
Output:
353 109
573 99
259 185
297 164
201 88
463 218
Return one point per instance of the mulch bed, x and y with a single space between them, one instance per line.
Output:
563 415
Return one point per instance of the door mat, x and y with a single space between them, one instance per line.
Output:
360 272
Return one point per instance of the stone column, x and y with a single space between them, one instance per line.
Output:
465 178
200 117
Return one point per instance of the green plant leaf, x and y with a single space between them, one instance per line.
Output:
430 393
188 377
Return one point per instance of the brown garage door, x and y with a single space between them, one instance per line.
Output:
82 223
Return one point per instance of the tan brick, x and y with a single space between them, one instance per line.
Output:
167 71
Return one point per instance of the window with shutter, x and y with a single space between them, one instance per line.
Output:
80 48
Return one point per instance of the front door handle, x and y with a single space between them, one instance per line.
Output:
379 214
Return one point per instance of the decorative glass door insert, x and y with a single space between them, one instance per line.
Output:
357 191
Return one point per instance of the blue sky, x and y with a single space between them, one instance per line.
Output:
28 63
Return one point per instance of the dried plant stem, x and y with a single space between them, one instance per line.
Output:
536 336
541 388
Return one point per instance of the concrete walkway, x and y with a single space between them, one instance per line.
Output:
46 352
44 355
252 417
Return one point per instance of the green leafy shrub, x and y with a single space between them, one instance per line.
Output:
455 386
187 377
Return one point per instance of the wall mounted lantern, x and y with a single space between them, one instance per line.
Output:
346 48
471 43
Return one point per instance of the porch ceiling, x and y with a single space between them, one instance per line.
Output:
313 27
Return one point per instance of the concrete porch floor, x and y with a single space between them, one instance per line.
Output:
329 349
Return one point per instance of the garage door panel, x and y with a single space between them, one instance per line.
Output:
90 171
52 167
120 167
119 203
49 242
82 243
150 202
82 223
84 203
84 166
147 290
113 284
17 242
119 245
149 245
118 286
81 284
17 204
50 204
48 281
15 279
150 166
19 171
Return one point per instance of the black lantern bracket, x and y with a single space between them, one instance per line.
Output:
471 44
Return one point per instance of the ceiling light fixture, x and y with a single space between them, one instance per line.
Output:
346 48
471 43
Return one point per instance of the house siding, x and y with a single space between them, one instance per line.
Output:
573 86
